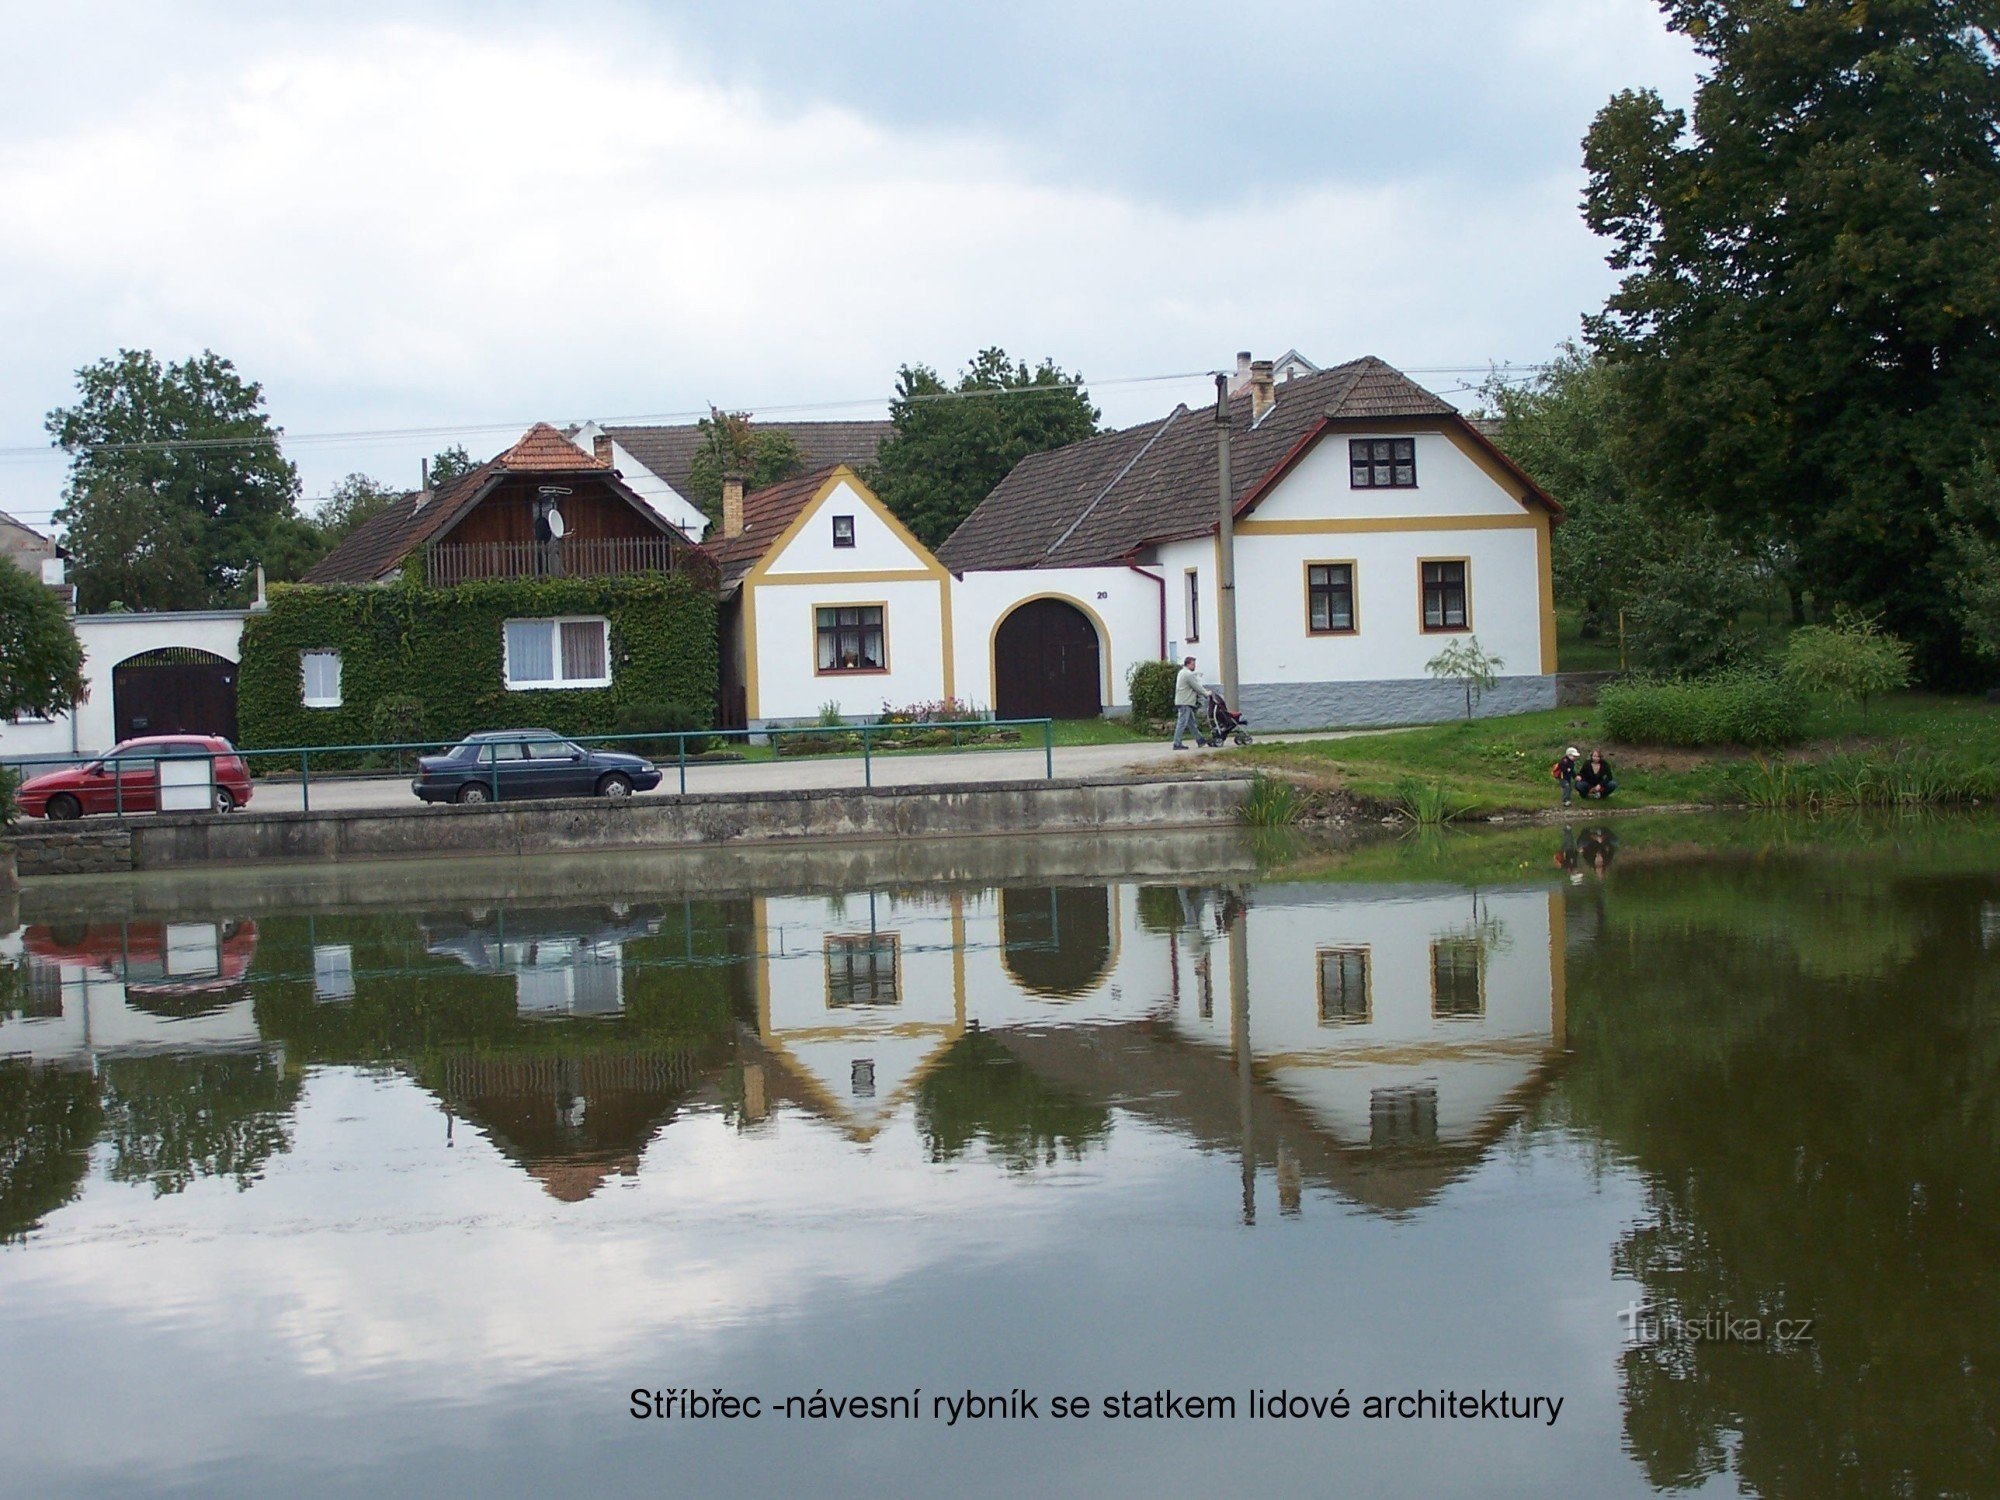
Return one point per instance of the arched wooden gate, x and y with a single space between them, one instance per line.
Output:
1046 663
174 690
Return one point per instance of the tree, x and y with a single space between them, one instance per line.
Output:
1692 593
731 444
1852 658
1807 319
181 459
1566 429
951 447
356 499
446 465
1971 566
1469 665
41 660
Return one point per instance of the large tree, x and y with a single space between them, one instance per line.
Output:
183 458
733 444
952 445
1809 321
41 660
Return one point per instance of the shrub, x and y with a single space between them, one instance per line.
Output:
9 783
1150 685
944 711
660 719
1689 598
1736 708
1852 658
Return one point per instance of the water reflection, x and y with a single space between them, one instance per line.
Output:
1728 1074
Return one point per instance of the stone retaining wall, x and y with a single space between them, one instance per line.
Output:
1275 706
1076 806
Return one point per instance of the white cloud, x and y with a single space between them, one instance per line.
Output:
407 224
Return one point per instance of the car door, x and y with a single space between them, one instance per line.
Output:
506 761
558 768
128 781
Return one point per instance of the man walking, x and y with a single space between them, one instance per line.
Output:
1187 694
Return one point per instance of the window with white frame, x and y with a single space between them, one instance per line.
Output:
319 674
557 653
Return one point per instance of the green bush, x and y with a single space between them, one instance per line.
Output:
1852 658
1735 708
9 783
1151 687
665 719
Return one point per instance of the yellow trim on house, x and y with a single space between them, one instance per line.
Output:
760 573
1545 577
1336 526
1104 662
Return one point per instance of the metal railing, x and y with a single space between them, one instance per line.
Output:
847 740
450 563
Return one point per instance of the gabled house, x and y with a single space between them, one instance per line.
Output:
827 598
538 588
544 508
1373 525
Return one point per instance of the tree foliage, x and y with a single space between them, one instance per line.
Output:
946 454
41 660
732 444
1691 595
1853 658
175 479
1807 322
1567 429
446 465
1468 664
1971 565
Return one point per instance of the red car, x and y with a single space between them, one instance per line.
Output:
127 778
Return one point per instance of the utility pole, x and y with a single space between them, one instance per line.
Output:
1225 555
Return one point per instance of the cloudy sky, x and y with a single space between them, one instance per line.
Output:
418 224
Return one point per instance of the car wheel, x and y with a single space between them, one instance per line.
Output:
475 791
616 785
63 808
225 800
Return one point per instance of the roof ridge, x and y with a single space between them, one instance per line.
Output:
1144 448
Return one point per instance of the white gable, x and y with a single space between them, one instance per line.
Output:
1449 483
877 545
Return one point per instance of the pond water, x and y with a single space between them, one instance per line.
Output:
428 1178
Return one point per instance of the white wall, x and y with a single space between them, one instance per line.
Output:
108 640
1449 483
1125 605
669 502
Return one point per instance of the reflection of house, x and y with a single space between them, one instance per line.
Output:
122 989
567 962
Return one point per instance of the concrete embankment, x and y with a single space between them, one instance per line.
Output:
1082 806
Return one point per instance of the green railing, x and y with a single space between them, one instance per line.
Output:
869 736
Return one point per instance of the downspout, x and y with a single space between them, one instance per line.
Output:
1159 579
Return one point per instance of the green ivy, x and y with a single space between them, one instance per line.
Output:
442 648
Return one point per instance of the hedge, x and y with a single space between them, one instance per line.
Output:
1737 708
441 649
1152 689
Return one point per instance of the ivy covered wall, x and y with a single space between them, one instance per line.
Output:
443 648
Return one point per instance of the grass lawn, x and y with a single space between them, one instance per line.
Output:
1502 765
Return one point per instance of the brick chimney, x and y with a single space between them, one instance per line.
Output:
732 505
600 449
1263 392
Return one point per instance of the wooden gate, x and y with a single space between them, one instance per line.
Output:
1046 663
174 690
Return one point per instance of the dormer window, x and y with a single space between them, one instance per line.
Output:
1382 463
843 531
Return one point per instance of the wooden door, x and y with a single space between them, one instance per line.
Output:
1046 663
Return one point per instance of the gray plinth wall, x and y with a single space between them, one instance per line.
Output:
1410 700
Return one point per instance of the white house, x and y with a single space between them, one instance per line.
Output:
657 492
828 598
1373 525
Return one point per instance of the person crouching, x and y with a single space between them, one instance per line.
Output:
1593 777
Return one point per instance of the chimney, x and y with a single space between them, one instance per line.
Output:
1242 376
600 449
1263 393
732 505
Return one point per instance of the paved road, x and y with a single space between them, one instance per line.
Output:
900 769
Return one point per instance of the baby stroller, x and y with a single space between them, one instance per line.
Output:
1218 725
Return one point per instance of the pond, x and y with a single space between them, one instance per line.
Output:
1654 1156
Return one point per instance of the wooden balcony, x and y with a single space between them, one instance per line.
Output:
448 563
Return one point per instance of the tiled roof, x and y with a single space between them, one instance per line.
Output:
1100 500
544 450
669 451
766 514
383 541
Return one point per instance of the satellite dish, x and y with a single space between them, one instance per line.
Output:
556 527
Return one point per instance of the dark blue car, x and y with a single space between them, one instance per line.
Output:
517 763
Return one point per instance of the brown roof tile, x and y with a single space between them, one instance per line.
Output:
544 450
670 451
1100 500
